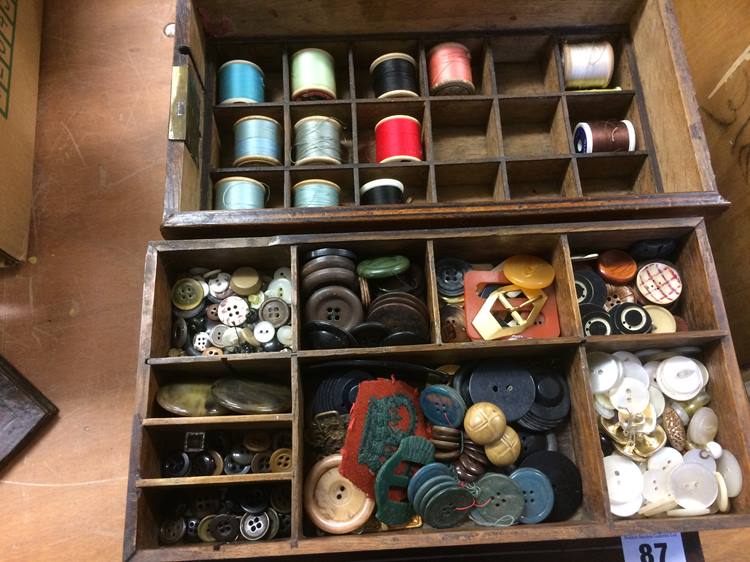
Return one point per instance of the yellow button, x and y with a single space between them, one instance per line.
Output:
529 272
484 423
187 294
505 450
245 281
662 321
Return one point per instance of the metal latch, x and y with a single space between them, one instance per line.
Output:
185 109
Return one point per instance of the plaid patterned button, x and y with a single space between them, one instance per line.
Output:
659 283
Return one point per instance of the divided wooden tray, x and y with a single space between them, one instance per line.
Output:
503 154
701 306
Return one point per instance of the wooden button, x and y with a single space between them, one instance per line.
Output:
332 502
281 460
484 423
616 266
336 305
324 262
275 311
330 276
505 450
453 324
529 272
261 462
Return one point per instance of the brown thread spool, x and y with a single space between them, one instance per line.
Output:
604 136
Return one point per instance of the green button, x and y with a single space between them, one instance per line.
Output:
187 294
387 266
448 508
499 503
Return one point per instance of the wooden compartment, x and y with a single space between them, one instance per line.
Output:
520 111
702 305
550 178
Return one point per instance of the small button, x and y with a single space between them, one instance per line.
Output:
442 405
232 311
172 530
449 274
506 501
616 266
224 336
596 322
453 324
386 266
634 371
254 526
659 283
175 465
187 294
506 450
702 457
284 335
715 449
703 426
213 352
241 455
618 294
693 486
261 462
624 479
605 372
212 312
275 311
281 460
484 423
729 467
336 305
203 464
630 318
218 286
280 289
201 341
656 485
224 527
590 288
256 300
179 332
254 500
662 321
203 533
529 272
244 281
231 466
283 273
264 332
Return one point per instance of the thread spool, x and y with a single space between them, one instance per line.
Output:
317 140
239 193
449 67
313 75
386 191
257 140
588 65
398 138
604 136
394 75
241 81
316 193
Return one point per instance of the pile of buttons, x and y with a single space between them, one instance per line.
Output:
226 396
489 454
659 434
632 292
215 453
482 302
216 313
371 303
251 513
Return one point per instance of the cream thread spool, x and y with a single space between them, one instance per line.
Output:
588 65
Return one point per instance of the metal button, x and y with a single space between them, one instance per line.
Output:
254 526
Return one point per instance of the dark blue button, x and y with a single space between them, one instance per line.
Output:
424 474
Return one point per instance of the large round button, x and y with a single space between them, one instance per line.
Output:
187 294
693 486
280 289
281 460
507 384
172 530
730 469
659 283
605 372
630 318
680 378
703 427
332 502
529 272
334 304
425 473
500 501
662 321
631 395
624 479
442 405
566 482
505 450
656 485
484 423
245 281
538 495
387 266
616 266
447 508
275 311
232 311
590 288
224 527
175 465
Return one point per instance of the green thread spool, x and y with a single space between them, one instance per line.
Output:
316 193
317 140
313 75
239 193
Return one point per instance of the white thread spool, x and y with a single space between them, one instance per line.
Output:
588 65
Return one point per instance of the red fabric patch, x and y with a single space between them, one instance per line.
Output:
400 420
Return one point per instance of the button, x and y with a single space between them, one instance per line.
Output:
187 294
624 479
665 460
283 273
232 311
332 502
653 249
264 332
680 378
634 371
336 305
702 457
722 499
715 449
507 384
729 467
231 466
191 531
172 530
261 462
630 318
369 334
192 399
453 324
280 289
662 321
449 275
273 525
275 311
325 262
244 281
674 428
431 487
605 372
252 397
254 526
386 266
618 294
484 423
224 336
281 499
566 482
703 427
400 316
281 460
626 357
320 252
529 272
424 474
500 501
702 398
254 499
284 335
616 266
693 486
597 323
506 450
212 312
204 464
447 508
626 509
203 533
442 405
179 332
657 400
659 283
175 465
631 395
256 300
218 286
590 288
324 335
224 527
538 495
656 485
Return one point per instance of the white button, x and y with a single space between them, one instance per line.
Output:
665 460
219 284
651 368
715 449
635 371
283 273
256 300
657 400
284 335
703 426
626 509
651 509
681 413
606 413
729 467
679 378
199 279
201 341
648 354
624 479
280 288
233 311
688 512
224 336
631 395
626 357
693 486
604 401
656 485
264 331
702 457
723 498
605 371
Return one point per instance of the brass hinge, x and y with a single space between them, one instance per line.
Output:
185 109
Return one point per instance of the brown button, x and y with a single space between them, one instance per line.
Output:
471 465
618 294
212 312
453 324
327 261
213 352
400 317
335 304
464 474
281 460
616 266
256 441
330 276
275 311
443 456
405 298
476 452
364 292
446 433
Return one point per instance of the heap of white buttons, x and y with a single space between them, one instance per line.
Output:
653 407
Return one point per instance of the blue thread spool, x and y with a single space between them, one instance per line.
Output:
239 193
316 193
241 81
317 140
257 140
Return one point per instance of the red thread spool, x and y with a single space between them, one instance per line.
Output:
398 138
450 70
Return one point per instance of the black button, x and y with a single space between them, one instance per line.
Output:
369 334
254 500
224 527
203 464
324 335
320 252
175 465
565 479
450 276
653 249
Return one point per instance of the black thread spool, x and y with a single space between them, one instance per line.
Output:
384 191
394 75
